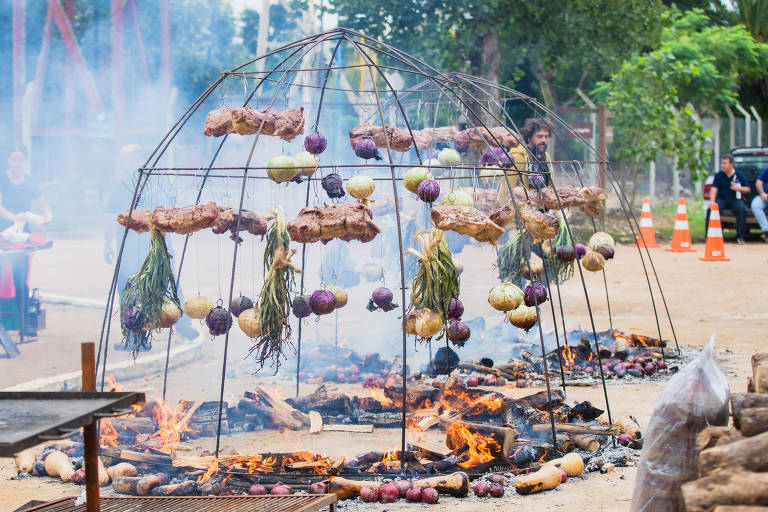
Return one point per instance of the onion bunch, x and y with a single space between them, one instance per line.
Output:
145 294
275 305
560 262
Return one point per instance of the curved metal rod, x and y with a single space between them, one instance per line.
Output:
400 256
307 48
306 204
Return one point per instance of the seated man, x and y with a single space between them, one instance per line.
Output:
726 192
760 203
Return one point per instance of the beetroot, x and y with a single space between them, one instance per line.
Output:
163 477
79 476
498 478
473 381
402 487
496 491
388 493
661 365
257 490
489 380
280 489
649 368
429 495
521 383
481 489
317 488
369 494
413 494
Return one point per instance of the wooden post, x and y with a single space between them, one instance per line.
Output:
602 141
90 433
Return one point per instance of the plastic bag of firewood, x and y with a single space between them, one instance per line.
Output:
695 397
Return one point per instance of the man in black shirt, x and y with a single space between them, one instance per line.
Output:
727 192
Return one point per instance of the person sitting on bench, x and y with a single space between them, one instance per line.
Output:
726 192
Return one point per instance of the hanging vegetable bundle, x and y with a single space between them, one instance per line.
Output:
511 260
145 294
560 261
275 304
436 281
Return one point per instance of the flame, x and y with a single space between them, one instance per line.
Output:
479 448
380 396
213 468
171 424
543 457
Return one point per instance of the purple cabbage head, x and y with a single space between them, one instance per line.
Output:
315 143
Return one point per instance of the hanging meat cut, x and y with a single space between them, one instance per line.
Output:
250 221
480 138
139 220
569 196
247 121
349 221
399 139
466 220
594 201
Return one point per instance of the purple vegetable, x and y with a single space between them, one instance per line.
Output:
366 148
257 490
428 190
649 368
537 181
333 185
315 143
565 253
318 488
455 309
535 293
382 296
388 493
133 319
489 157
218 321
581 250
322 302
301 307
435 152
481 489
429 496
402 487
606 251
413 494
280 489
496 491
661 365
624 439
489 380
460 146
369 494
240 304
458 332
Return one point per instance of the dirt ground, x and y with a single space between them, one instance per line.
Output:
703 298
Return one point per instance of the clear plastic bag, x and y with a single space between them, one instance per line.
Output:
694 398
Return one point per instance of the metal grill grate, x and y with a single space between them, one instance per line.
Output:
290 503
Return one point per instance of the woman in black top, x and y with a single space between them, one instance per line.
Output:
18 197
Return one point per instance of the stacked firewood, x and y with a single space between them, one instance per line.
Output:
733 460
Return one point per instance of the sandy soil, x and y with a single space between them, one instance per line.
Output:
703 298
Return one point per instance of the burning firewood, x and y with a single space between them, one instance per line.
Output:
136 486
186 488
499 441
586 442
277 410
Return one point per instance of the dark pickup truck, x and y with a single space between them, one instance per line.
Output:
750 161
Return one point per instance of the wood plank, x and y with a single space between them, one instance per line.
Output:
315 422
359 429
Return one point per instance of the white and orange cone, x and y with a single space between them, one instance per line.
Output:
681 236
646 237
715 249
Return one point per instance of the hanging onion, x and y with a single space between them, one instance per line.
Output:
593 261
366 148
240 304
581 250
565 253
601 238
428 323
198 307
315 143
448 156
428 190
458 332
535 293
169 315
382 296
606 251
455 309
218 321
414 176
523 317
248 321
536 266
322 302
360 187
458 198
340 294
301 307
282 168
410 322
333 185
505 297
307 163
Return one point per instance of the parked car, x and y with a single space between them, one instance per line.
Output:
750 161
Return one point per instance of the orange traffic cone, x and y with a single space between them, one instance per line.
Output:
646 237
681 236
715 249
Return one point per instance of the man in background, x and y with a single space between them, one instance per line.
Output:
727 192
760 203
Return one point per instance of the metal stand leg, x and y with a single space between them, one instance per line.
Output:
90 432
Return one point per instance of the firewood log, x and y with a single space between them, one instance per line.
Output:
25 460
709 437
579 428
750 453
754 420
344 488
726 488
565 443
142 425
760 372
740 508
455 484
741 401
136 486
186 488
586 442
572 464
505 437
629 425
546 478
